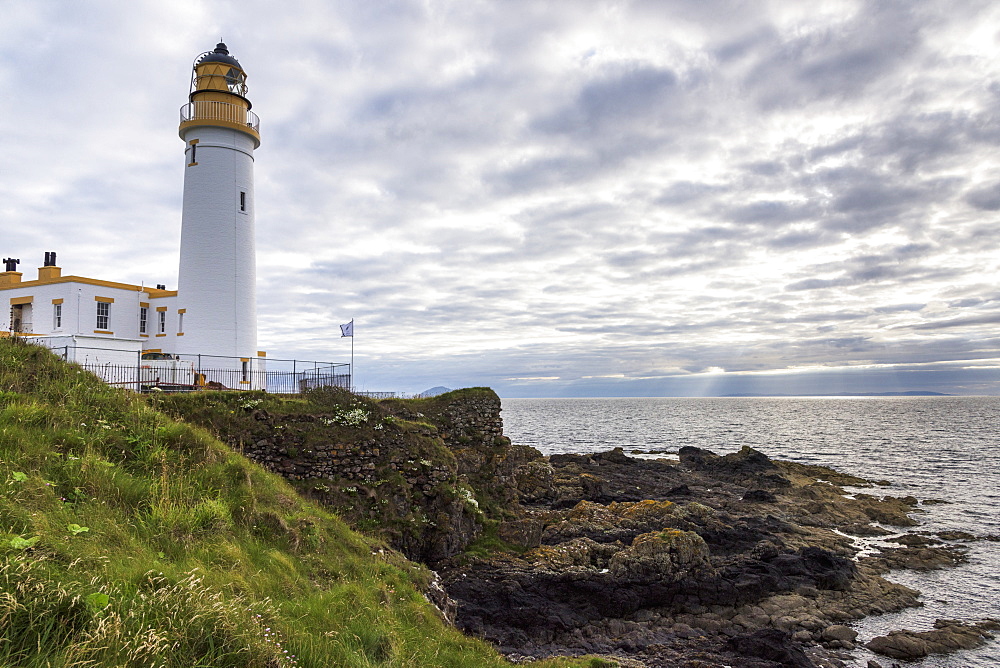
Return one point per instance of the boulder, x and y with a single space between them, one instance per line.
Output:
947 636
771 645
840 632
661 555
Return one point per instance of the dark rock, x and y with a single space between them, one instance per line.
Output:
524 532
614 456
840 632
772 645
956 535
925 558
914 540
947 636
759 496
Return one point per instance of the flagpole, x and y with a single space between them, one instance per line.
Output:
344 329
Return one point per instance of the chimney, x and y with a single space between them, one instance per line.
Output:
10 274
49 270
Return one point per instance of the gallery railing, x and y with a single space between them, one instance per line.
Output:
213 110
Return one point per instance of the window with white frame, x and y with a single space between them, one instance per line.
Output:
143 319
56 316
103 315
162 321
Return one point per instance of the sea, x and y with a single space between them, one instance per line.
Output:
940 448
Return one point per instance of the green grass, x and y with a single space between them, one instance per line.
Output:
128 538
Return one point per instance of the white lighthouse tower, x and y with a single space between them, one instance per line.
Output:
217 280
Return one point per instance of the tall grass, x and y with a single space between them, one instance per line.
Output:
130 539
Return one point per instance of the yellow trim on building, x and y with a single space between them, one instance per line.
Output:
16 301
101 331
154 293
244 382
244 359
261 353
106 300
57 301
200 122
180 333
159 335
182 310
161 308
144 336
143 304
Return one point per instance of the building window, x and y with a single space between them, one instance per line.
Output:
246 371
243 200
143 319
163 321
56 316
193 157
103 315
180 322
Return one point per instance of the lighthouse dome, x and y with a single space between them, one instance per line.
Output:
219 55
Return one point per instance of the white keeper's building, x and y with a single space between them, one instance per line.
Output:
213 312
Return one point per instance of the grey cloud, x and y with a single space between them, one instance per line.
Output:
771 212
683 192
798 239
840 61
989 319
623 96
986 197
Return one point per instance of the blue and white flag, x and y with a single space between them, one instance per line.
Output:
347 330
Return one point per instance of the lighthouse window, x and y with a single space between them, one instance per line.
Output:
243 201
103 315
193 157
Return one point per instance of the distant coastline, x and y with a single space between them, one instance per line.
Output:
914 393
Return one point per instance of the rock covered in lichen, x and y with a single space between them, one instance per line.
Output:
665 555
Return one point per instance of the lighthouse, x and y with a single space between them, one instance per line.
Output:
217 279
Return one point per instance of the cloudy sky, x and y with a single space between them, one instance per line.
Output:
572 198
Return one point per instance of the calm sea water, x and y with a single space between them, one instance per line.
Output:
930 447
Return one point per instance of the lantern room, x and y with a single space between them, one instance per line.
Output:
219 95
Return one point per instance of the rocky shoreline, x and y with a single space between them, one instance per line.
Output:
709 560
695 561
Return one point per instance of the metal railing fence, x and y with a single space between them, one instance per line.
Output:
187 372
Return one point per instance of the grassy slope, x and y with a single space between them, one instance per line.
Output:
130 539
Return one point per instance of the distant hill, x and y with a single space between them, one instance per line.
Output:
913 393
434 391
